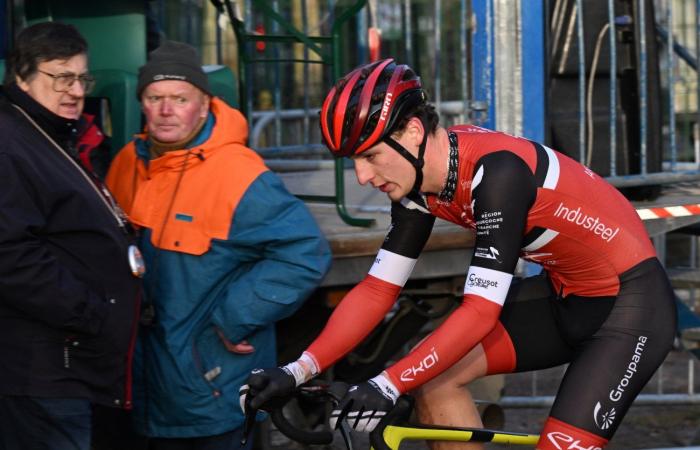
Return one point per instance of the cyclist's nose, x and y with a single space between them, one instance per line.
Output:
362 171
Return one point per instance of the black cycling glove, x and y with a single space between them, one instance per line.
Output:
264 386
365 404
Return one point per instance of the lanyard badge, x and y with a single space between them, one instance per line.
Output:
138 267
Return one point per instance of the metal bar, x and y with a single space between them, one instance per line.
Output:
671 87
643 100
697 76
612 35
581 82
239 32
653 178
641 400
277 95
305 28
361 32
284 60
286 38
299 165
339 164
691 377
438 53
317 198
219 47
533 65
680 51
284 23
408 33
482 64
464 64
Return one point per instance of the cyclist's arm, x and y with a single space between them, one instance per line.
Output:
369 301
503 190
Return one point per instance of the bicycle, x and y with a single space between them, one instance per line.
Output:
391 431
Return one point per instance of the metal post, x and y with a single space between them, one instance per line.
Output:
581 82
305 27
671 85
643 101
463 29
408 33
337 73
613 88
278 81
697 78
438 48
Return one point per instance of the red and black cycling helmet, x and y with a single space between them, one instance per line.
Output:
363 106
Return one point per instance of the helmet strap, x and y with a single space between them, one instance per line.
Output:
417 163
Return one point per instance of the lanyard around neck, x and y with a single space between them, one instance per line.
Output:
102 192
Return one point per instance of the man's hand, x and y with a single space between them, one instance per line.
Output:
242 348
264 386
365 404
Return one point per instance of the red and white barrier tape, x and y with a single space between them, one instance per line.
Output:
669 211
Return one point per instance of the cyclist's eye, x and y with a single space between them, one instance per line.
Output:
180 100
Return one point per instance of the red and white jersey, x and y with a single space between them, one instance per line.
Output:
552 211
522 199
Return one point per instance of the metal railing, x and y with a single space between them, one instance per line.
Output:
469 88
286 33
671 385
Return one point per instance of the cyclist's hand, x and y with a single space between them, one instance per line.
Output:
365 404
264 387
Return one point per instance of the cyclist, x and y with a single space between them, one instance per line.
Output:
603 303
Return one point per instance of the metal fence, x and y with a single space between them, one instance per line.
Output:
471 54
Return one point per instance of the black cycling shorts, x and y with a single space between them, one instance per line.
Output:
613 344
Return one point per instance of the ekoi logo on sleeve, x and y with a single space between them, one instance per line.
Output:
424 364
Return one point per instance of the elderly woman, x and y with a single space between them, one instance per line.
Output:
68 290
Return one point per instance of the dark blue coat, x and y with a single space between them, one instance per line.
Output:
68 299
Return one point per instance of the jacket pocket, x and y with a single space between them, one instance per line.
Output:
209 355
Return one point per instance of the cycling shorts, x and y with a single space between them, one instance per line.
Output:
613 346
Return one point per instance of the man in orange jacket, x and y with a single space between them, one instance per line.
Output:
230 251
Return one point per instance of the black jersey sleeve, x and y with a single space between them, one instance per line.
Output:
503 190
411 224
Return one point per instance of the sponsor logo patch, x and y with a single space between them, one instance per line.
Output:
590 223
488 253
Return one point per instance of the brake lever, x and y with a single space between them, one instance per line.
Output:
400 413
248 422
347 436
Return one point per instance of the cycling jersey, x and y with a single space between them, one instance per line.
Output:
523 200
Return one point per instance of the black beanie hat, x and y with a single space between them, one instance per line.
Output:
173 61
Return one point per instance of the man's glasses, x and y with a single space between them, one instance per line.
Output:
64 81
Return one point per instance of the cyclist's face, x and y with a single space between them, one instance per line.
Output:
173 109
40 86
385 169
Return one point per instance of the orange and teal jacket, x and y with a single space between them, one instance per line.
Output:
226 247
